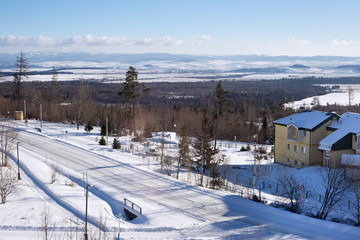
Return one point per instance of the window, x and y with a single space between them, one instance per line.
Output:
303 150
296 162
304 133
289 146
296 148
303 164
288 160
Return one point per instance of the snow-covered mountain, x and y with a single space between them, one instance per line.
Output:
177 67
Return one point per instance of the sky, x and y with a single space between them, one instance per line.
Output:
201 27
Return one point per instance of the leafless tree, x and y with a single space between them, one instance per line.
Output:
350 92
335 188
290 188
55 172
8 182
47 224
162 148
8 138
259 153
168 165
355 189
81 103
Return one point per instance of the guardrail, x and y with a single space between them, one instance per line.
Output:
132 205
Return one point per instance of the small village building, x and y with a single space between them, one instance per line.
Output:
18 115
341 146
297 138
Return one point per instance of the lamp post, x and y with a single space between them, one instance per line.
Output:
18 160
86 210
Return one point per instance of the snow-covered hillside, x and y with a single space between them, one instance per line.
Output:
172 209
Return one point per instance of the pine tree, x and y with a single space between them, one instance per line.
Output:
131 90
184 149
88 127
204 151
102 141
21 72
116 144
220 104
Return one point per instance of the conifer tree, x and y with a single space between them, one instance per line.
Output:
131 90
184 149
220 104
204 151
21 72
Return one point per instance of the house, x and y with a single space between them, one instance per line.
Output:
341 145
297 137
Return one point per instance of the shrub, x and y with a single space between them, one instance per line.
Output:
88 127
116 144
102 141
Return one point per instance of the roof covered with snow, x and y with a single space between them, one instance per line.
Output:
349 123
306 120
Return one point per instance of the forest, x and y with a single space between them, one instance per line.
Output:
247 115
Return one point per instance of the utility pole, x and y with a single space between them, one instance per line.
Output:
24 108
18 160
40 115
86 209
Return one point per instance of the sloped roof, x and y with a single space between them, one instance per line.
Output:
348 123
306 120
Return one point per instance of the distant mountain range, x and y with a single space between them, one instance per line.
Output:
8 60
180 67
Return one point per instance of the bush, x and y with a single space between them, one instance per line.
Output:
102 141
116 144
88 127
243 149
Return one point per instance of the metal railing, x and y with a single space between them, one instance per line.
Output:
132 205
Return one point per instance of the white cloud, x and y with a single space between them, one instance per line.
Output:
300 43
90 40
336 42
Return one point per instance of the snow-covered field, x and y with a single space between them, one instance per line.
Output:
338 96
172 209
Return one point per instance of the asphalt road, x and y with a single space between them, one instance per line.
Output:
228 214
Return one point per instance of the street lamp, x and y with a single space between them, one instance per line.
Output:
18 160
86 210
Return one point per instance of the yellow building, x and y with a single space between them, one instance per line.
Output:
297 138
18 115
341 145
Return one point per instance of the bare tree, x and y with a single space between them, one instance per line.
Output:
8 138
350 92
290 188
82 104
8 182
355 189
55 172
168 165
335 188
47 224
259 153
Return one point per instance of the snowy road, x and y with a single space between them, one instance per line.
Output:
200 212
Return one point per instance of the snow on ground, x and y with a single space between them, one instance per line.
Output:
65 198
339 96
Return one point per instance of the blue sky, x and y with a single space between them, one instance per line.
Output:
226 27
